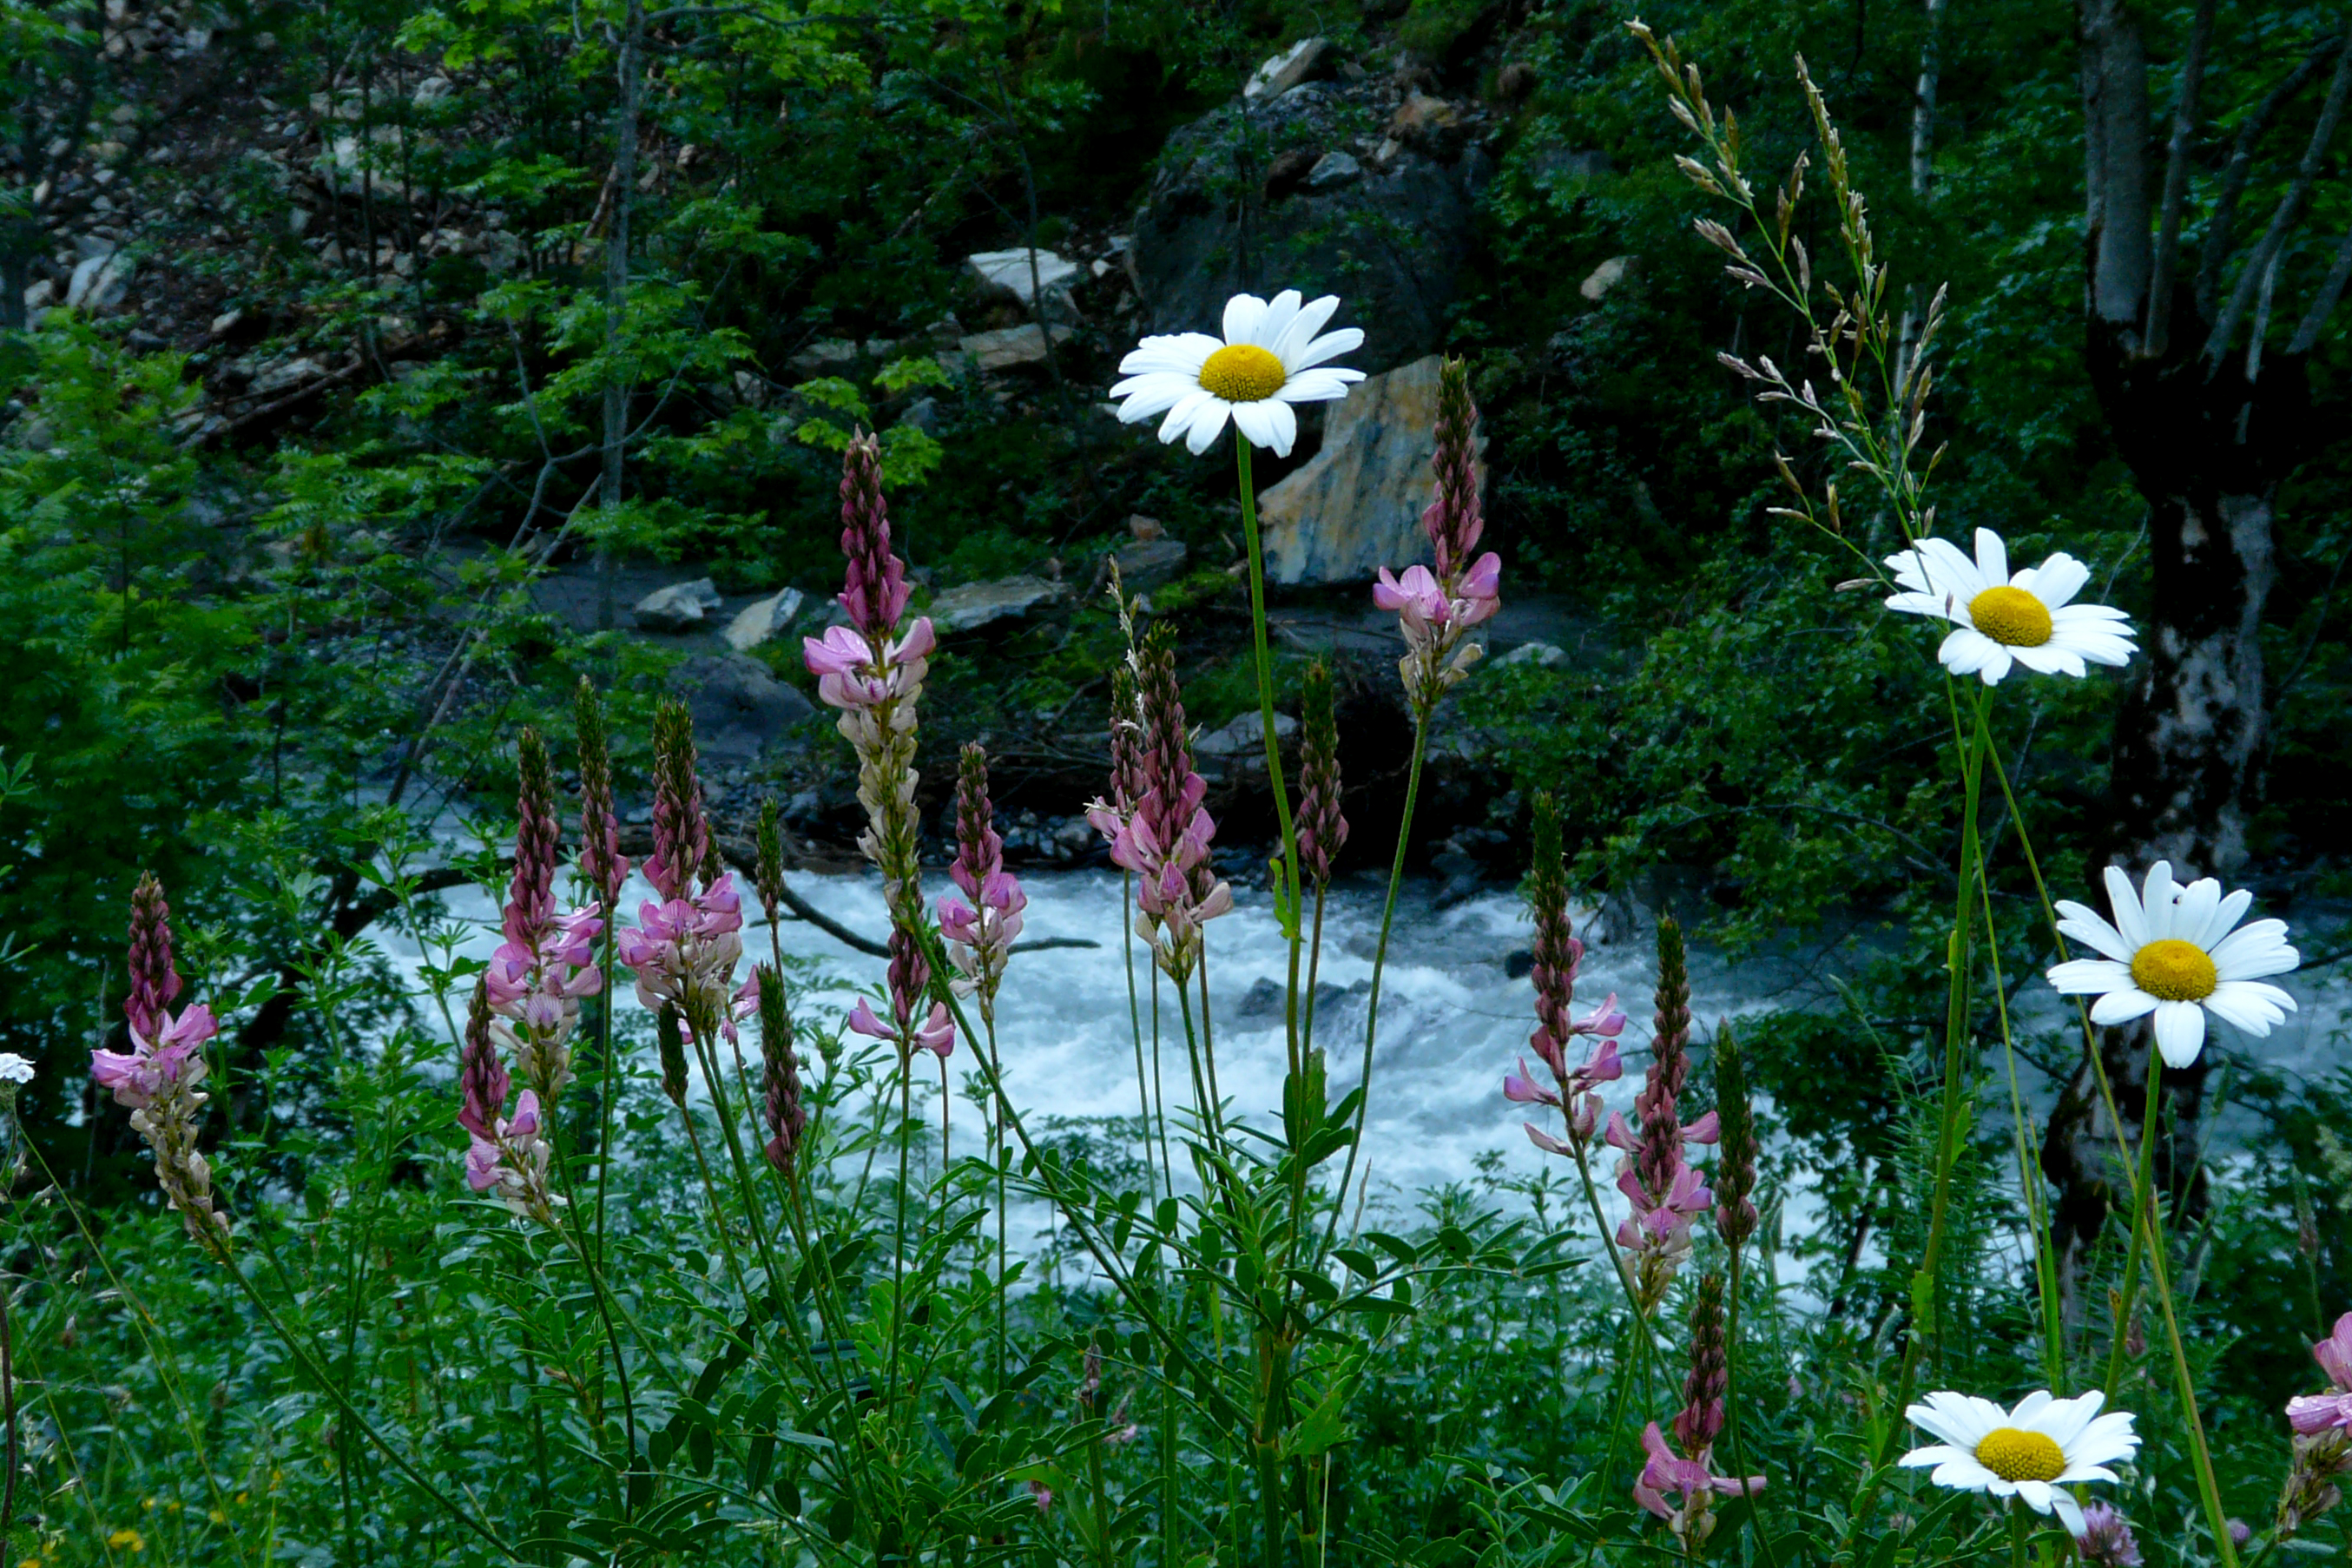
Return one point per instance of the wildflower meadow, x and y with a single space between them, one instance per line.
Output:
607 1239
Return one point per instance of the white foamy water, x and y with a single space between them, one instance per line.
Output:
1453 1021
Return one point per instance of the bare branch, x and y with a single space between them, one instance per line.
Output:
2213 252
2283 219
2306 336
2156 330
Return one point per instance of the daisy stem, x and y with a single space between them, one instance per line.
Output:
1287 868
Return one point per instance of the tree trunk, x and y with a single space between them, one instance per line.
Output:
616 297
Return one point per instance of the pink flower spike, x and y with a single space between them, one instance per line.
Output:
937 1034
1520 1088
862 1021
1607 1021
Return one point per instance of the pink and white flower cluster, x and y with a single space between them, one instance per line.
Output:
684 952
1435 609
979 934
909 978
2313 1415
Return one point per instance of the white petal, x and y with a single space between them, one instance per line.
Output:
1280 313
2075 1474
1933 1454
2035 1495
2124 900
2249 1005
1992 556
1322 385
1964 1475
2092 647
1949 572
1182 353
1967 651
1207 425
1254 423
2157 899
1285 426
2251 952
2231 911
1189 407
2107 1439
1998 666
2122 1006
2051 659
1295 337
2069 1512
1243 314
2198 902
2086 925
2090 976
2026 1417
2180 1032
1330 345
2055 581
2064 1421
1147 395
1961 1419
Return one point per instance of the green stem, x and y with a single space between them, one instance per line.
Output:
1287 868
1380 964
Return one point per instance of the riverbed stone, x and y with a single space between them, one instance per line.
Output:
740 708
763 620
1356 506
679 608
976 605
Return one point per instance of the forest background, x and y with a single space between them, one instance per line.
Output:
387 317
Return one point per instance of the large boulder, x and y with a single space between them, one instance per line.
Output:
1361 189
1010 275
740 709
763 620
1356 505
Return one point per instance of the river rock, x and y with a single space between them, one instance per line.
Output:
763 620
1286 70
1543 655
738 707
1245 737
100 283
976 605
1014 348
1148 563
679 608
1356 505
1605 277
1390 241
1006 274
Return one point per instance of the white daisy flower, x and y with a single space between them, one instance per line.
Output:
2024 619
2028 1453
1268 358
15 1068
2173 952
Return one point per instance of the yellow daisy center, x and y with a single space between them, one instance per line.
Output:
1242 373
2175 971
2010 617
2016 1455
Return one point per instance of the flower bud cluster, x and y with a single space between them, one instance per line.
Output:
1165 840
979 934
506 1154
1690 1475
157 1078
1322 831
2322 1436
1557 954
1666 1193
1436 609
548 961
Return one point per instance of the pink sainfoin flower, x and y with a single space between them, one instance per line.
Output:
687 943
909 979
1165 842
2312 1415
506 1154
979 934
157 1078
2106 1538
779 1074
547 960
1690 1475
874 674
1556 955
1436 608
1666 1192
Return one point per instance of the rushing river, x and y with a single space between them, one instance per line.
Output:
1453 1020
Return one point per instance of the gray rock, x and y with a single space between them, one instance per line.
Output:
1014 348
739 708
1605 277
1148 563
1391 242
679 608
1356 505
924 415
1006 274
285 376
1333 170
976 605
1245 737
1286 70
101 283
1541 654
39 296
826 357
763 620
